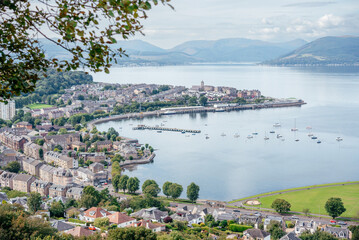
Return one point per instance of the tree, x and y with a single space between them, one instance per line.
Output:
41 153
355 232
116 169
203 100
165 188
133 184
175 190
57 209
85 31
34 201
116 182
318 235
193 192
275 230
281 206
13 167
102 222
147 183
152 190
306 211
123 182
334 207
131 233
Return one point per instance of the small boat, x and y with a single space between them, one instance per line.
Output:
283 139
310 134
187 135
277 125
319 141
193 134
223 134
266 138
249 136
255 133
297 140
339 139
205 124
279 136
314 137
295 126
309 128
272 132
207 137
183 132
236 135
159 131
162 124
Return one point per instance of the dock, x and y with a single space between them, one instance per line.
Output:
144 127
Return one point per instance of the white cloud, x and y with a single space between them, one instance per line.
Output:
330 21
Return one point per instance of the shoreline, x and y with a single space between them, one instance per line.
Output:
297 103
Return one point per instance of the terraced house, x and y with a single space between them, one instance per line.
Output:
60 160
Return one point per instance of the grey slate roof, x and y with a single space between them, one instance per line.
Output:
61 226
290 236
257 233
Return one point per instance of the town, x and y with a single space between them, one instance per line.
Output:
56 165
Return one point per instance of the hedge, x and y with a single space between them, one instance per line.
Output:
238 228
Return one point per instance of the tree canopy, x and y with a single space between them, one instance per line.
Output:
281 205
334 207
84 29
193 192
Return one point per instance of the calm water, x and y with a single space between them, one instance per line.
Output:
226 167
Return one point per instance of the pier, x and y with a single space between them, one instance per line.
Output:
144 127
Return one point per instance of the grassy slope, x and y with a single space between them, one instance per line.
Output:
315 199
39 106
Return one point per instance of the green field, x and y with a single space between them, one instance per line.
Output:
315 199
38 106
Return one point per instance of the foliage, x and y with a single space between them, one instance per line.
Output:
102 222
306 211
175 190
13 167
318 235
16 224
116 169
166 188
334 207
116 182
355 232
34 201
14 193
202 101
133 184
281 205
57 209
131 233
193 192
152 190
90 197
123 182
238 228
275 230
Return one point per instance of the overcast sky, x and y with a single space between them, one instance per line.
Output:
272 20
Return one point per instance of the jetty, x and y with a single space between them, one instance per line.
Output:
158 128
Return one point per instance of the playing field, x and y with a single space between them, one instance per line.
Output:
38 106
315 199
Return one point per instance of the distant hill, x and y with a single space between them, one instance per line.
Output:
224 50
323 51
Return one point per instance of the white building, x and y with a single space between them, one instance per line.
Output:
7 111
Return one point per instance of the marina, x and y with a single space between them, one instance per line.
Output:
158 128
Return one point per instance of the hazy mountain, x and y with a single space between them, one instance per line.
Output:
224 50
323 51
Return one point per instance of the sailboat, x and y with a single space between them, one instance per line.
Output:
265 137
339 139
277 125
295 126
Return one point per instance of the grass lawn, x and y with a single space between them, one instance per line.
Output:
315 199
38 106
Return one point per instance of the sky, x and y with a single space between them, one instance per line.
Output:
269 20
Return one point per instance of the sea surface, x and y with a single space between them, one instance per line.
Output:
226 167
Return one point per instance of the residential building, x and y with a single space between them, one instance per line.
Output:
46 173
270 219
61 226
121 219
155 227
20 201
56 114
57 190
23 125
247 219
32 150
22 182
305 226
7 111
152 214
93 157
290 236
6 179
41 187
75 193
80 232
188 217
77 145
220 215
100 145
338 232
31 166
3 197
256 234
60 160
96 167
62 177
95 212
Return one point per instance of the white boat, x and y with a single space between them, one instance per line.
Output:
272 132
249 136
295 126
187 135
223 134
309 128
277 125
236 135
339 139
310 134
266 138
279 136
207 137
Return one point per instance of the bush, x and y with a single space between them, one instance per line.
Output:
290 225
238 228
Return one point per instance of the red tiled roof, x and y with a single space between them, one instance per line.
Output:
96 212
80 231
119 218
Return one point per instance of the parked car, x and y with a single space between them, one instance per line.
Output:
295 217
236 210
333 221
342 223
